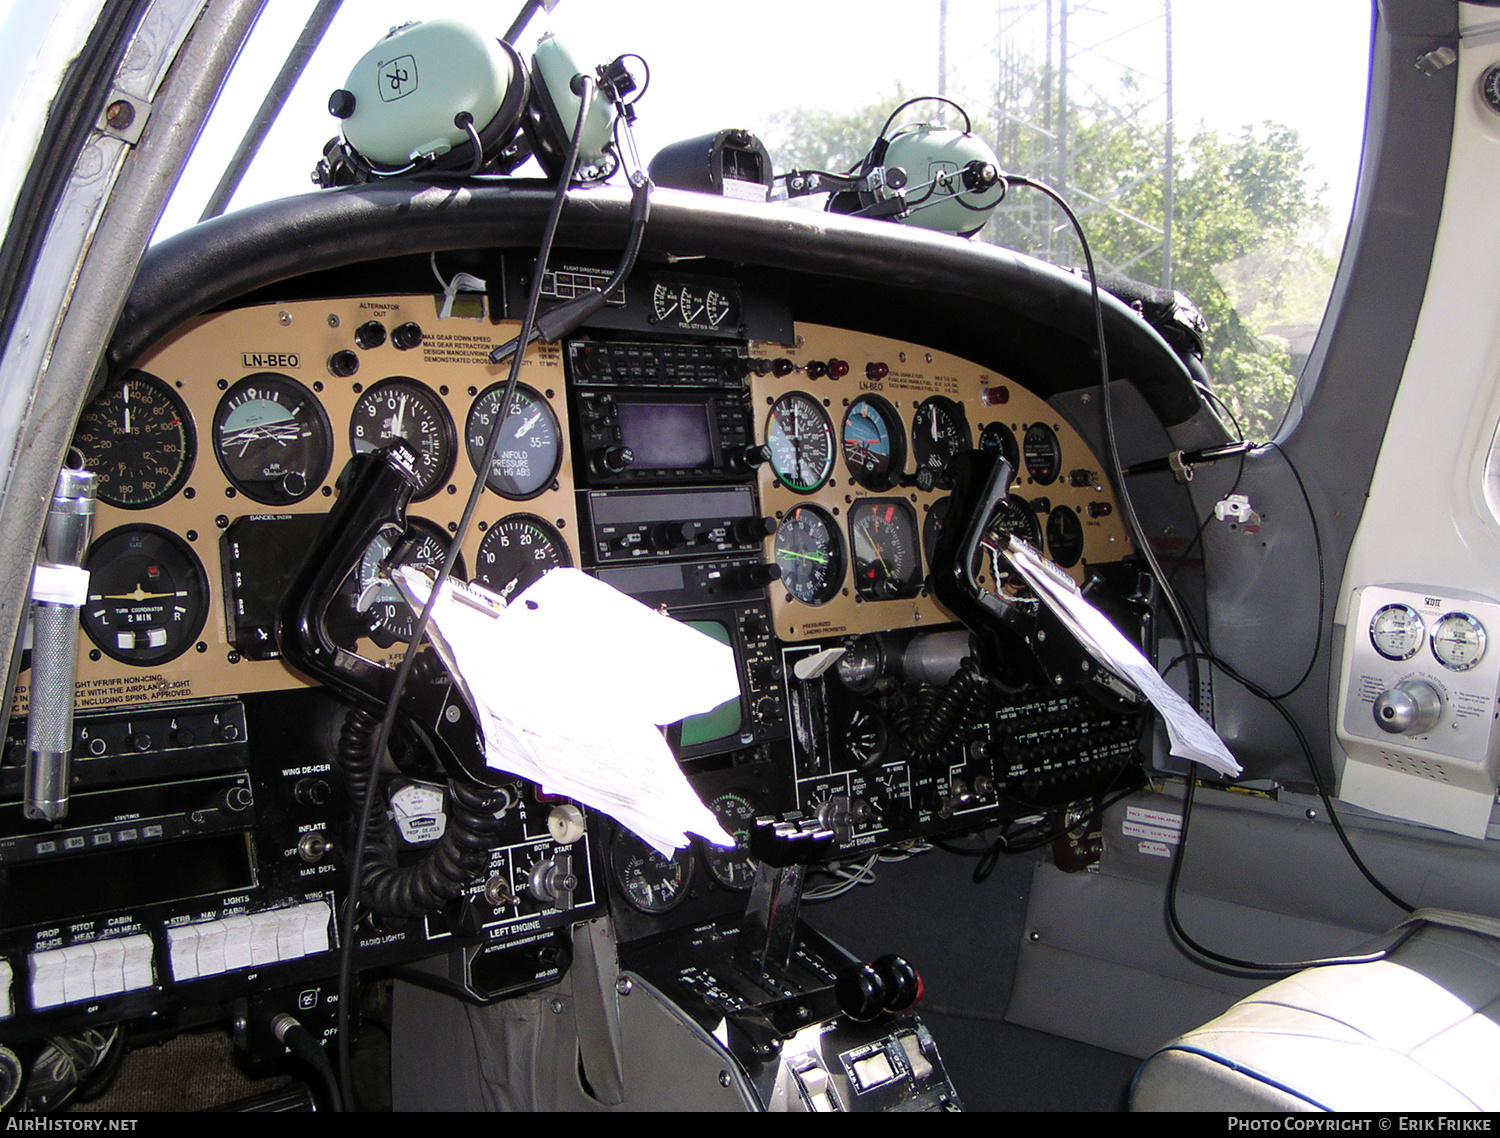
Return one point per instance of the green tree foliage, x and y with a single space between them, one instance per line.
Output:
1245 225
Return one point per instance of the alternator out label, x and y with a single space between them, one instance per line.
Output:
1151 825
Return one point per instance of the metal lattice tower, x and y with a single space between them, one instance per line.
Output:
1055 78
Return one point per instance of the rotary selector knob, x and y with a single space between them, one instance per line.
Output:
1412 707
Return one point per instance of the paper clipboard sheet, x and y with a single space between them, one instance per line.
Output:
570 682
1189 736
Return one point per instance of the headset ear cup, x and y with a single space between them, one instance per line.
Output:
501 130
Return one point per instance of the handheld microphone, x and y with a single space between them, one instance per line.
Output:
59 590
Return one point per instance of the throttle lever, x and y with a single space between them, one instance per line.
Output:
374 491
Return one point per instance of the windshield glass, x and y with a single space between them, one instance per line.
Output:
1203 149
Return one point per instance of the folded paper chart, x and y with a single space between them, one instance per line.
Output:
570 682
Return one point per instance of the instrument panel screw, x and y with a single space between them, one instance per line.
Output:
724 1079
284 318
624 986
119 114
333 320
1312 814
557 1006
1033 936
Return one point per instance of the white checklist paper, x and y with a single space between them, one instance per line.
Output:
571 681
1189 737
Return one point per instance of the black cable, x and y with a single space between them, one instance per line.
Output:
1189 637
1111 446
1262 968
1317 776
404 669
968 126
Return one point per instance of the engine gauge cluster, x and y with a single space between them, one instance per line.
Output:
862 499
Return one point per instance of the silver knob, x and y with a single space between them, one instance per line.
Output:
1412 707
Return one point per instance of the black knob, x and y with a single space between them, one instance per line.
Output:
860 992
312 791
342 365
612 460
757 576
747 530
370 334
341 104
902 983
749 457
233 800
406 336
672 535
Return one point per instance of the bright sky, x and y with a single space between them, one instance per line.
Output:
733 64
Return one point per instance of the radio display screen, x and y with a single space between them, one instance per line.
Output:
666 436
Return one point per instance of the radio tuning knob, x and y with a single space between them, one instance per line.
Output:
757 576
673 535
748 458
1412 707
747 530
612 460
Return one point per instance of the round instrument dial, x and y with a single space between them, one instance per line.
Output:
272 439
1016 517
137 436
736 811
1064 536
530 450
867 736
1043 454
401 408
516 552
939 433
1397 631
1458 641
883 536
810 553
997 436
148 595
649 882
799 436
874 443
390 618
